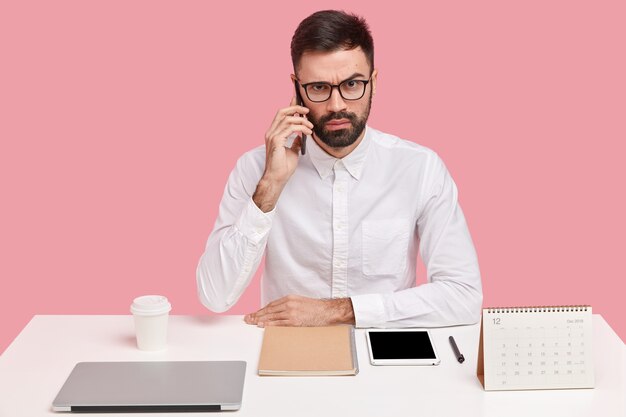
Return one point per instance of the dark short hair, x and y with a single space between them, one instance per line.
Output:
330 31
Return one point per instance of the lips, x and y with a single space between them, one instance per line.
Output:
337 124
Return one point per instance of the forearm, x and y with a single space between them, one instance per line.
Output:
232 256
440 303
222 276
266 194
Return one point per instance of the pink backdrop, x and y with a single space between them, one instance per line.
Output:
121 120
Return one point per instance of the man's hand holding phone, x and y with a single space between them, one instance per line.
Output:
280 160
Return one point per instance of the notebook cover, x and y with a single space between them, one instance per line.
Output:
305 351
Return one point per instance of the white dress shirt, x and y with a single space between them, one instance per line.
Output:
349 227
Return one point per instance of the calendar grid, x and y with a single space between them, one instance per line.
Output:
536 347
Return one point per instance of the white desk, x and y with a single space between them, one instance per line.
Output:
35 365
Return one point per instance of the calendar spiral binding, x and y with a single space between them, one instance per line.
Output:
538 309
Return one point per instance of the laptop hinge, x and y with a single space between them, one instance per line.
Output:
143 408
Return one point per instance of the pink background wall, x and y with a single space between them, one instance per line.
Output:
121 120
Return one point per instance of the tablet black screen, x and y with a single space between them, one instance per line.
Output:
401 345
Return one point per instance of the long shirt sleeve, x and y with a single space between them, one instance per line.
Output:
236 245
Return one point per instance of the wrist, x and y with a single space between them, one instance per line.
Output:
343 313
266 194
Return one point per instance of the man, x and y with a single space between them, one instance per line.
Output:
340 225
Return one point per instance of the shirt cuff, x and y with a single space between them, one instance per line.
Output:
369 310
254 223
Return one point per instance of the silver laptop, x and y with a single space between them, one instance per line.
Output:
126 387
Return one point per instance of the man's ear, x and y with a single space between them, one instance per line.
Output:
293 78
374 75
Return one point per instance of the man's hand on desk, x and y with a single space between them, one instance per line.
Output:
295 310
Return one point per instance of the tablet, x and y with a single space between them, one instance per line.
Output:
401 347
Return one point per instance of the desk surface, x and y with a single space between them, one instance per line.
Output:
36 364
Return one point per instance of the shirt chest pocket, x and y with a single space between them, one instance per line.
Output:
385 246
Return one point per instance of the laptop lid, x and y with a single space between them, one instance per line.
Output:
152 386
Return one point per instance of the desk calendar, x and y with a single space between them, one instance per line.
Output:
535 348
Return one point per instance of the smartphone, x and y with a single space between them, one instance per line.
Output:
300 102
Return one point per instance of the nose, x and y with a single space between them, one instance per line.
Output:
336 103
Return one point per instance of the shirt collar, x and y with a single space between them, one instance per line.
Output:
353 162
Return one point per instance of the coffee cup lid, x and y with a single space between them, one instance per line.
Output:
150 305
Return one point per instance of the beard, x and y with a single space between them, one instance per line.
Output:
342 137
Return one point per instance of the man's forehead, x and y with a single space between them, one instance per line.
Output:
332 66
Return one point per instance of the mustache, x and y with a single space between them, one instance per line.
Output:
336 116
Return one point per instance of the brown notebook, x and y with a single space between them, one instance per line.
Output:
308 351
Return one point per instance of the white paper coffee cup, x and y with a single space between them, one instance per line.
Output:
151 313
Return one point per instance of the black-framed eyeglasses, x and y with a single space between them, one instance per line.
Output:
349 89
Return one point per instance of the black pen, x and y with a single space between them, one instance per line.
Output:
455 349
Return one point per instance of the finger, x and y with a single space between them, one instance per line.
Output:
294 103
278 307
297 120
291 110
275 318
283 301
272 317
281 137
250 318
280 302
274 303
287 111
278 314
254 315
261 314
287 121
277 323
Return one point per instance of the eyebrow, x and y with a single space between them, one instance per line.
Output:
355 75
